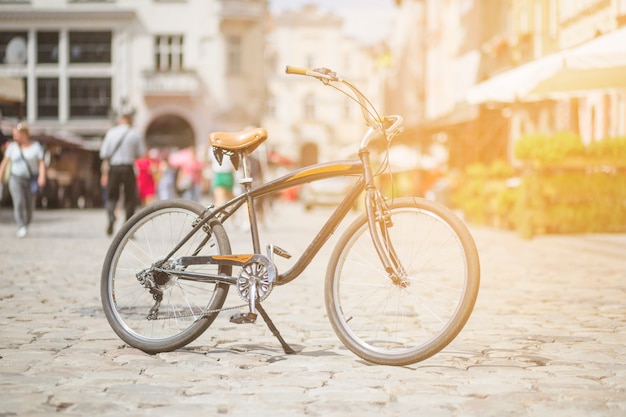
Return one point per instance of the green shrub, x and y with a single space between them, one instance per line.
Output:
545 150
608 150
565 187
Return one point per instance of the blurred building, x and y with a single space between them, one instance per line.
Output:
482 73
307 121
183 67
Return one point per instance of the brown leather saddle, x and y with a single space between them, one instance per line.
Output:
235 144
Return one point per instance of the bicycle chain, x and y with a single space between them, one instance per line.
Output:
148 283
205 228
205 313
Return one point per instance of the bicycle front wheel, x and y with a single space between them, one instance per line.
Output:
406 320
152 310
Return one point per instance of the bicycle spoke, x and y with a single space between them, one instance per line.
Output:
148 307
405 318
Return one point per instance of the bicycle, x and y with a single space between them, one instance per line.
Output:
400 284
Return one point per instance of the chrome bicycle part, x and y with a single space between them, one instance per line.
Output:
400 283
408 314
148 304
256 280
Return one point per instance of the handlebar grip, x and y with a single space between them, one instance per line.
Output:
296 70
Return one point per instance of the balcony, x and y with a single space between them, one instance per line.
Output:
170 83
242 10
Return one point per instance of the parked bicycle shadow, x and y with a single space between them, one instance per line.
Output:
275 353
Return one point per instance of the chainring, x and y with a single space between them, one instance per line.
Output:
259 273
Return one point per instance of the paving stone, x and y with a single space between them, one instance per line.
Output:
546 337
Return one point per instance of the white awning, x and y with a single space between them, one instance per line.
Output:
599 64
515 84
11 90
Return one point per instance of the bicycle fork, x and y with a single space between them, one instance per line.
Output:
379 222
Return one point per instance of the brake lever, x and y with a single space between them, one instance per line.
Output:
396 126
326 74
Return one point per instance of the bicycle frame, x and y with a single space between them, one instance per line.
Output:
354 167
374 204
403 313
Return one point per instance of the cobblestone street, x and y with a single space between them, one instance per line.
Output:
547 336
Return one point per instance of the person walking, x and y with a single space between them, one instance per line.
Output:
166 187
122 146
147 169
189 176
27 175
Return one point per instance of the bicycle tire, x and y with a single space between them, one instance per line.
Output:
144 239
392 324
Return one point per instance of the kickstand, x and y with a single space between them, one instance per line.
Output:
288 350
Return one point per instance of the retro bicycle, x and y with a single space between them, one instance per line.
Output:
400 285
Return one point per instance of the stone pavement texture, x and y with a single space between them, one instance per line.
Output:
547 337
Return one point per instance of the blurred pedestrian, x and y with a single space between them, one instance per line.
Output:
166 187
147 169
122 146
27 175
223 180
189 178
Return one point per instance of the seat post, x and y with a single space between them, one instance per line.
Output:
246 182
247 179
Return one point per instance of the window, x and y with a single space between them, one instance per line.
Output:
233 55
621 13
90 47
310 61
13 48
309 106
169 52
47 98
90 97
47 47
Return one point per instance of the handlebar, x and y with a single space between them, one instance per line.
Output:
389 125
323 74
290 69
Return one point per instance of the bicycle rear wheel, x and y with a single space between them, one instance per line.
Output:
129 282
406 321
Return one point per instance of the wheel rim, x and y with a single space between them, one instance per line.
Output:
383 319
183 303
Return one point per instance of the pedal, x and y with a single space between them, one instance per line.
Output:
243 318
272 249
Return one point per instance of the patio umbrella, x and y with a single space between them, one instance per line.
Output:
11 90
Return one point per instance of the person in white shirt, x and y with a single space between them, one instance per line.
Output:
27 163
122 145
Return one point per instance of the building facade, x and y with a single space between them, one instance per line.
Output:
183 67
309 122
491 72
